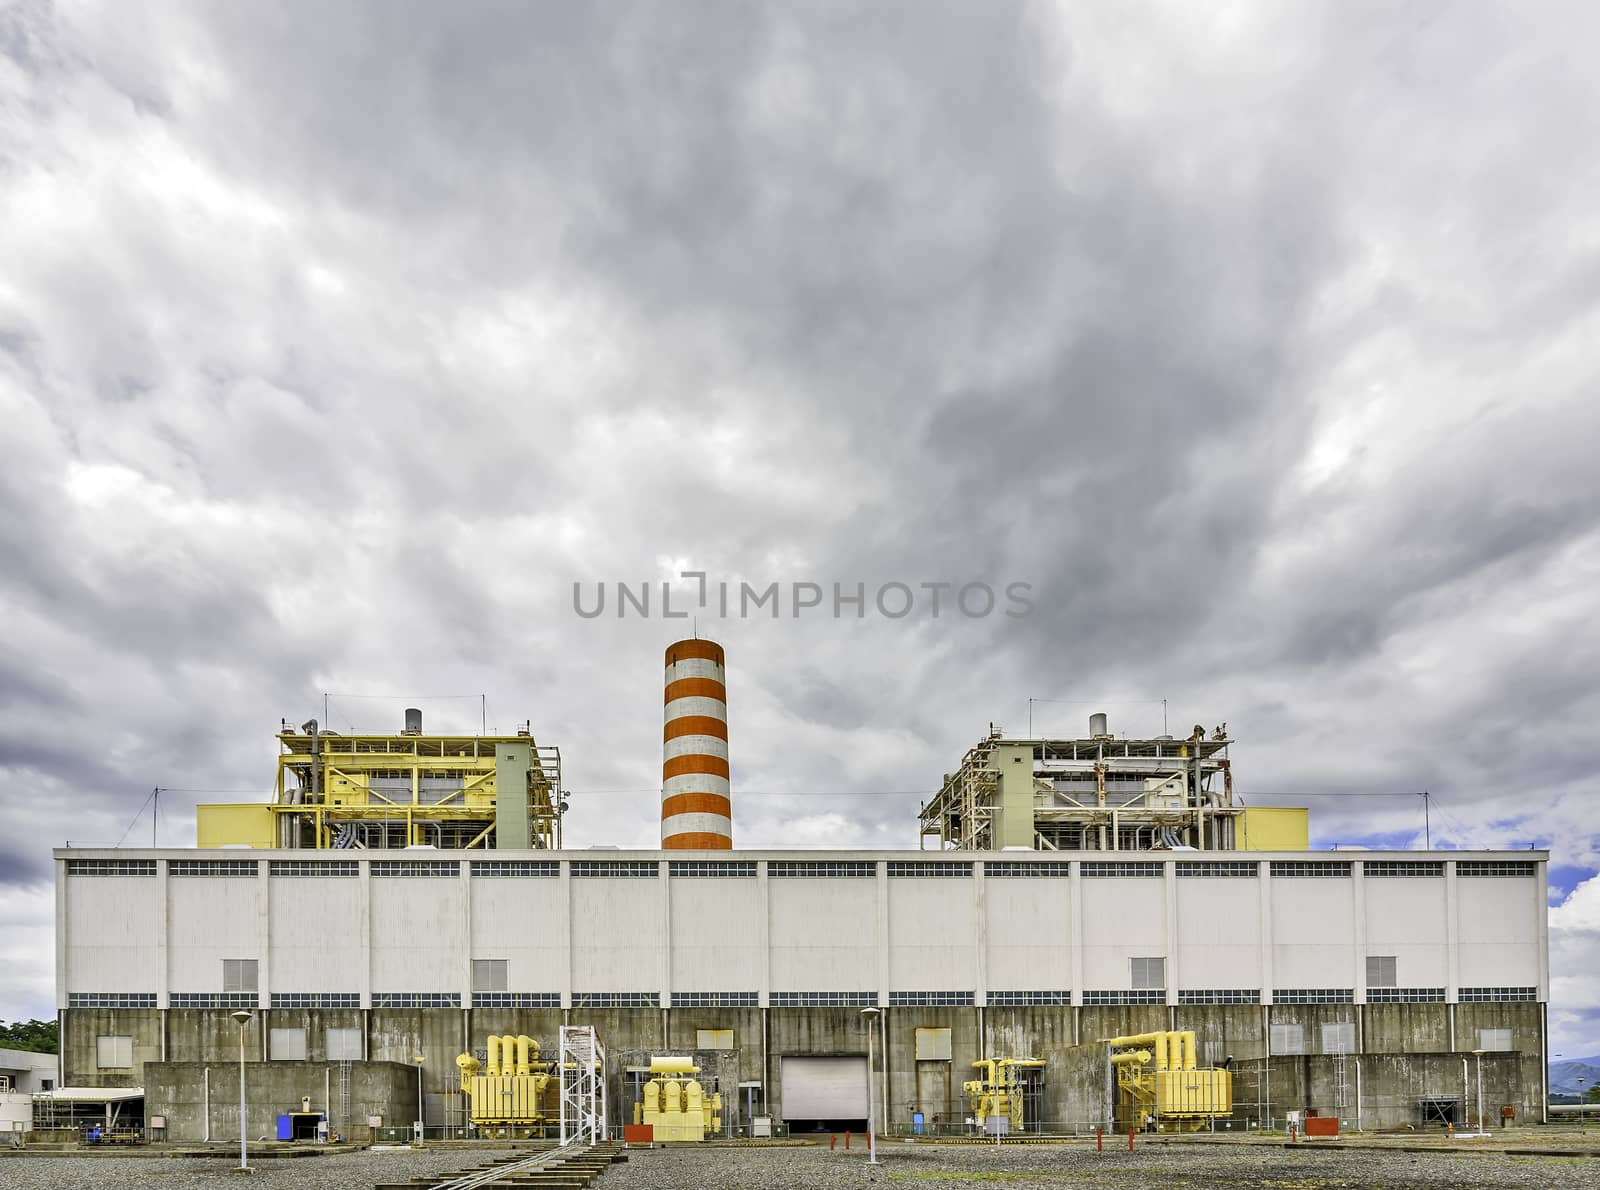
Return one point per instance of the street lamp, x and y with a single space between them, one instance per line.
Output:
871 1014
244 1017
1478 1054
420 1059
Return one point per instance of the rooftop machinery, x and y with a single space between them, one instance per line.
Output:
1099 793
411 790
508 1093
1157 1075
1001 1096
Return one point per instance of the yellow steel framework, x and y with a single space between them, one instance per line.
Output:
1100 793
405 789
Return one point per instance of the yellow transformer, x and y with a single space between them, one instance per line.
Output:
674 1103
996 1098
507 1095
1157 1075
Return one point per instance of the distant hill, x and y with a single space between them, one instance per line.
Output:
1573 1075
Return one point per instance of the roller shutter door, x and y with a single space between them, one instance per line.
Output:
824 1088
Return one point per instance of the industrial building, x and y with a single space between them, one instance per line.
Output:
1094 919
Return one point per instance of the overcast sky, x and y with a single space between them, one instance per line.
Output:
338 342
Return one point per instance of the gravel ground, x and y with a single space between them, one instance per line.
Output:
1016 1167
1020 1167
340 1171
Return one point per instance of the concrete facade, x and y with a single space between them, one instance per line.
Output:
200 1100
1016 954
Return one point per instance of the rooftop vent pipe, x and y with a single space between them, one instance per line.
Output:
413 721
1097 725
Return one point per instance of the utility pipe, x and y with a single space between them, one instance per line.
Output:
1358 1095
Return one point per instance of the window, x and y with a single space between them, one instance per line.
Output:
315 867
212 1000
616 1000
344 1045
1231 868
1381 971
1028 999
489 975
237 868
1311 868
1403 868
5 1083
1497 995
416 1000
1313 995
316 999
111 867
416 867
1494 1039
912 869
1097 997
627 868
824 999
111 1000
727 869
715 999
1027 867
930 999
113 1053
516 999
1288 1039
286 1045
1405 995
1496 867
1121 869
1149 973
833 870
515 867
47 1084
1339 1037
1219 996
239 975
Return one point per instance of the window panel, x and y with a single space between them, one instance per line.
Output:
1381 971
286 1045
489 975
113 1052
239 975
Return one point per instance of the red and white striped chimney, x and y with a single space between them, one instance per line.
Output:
695 811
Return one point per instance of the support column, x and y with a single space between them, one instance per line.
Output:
1075 933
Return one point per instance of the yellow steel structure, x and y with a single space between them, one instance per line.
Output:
508 1094
674 1103
408 789
998 1092
1157 1075
1275 828
235 824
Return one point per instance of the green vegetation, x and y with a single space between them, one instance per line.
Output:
36 1036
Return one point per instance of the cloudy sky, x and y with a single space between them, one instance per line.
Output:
338 342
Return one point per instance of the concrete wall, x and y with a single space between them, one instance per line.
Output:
1415 1037
200 1100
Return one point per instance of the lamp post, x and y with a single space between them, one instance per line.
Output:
1478 1054
420 1059
244 1017
871 1014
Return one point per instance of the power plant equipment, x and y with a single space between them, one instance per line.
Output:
674 1105
1157 1076
399 789
696 814
998 1098
509 1093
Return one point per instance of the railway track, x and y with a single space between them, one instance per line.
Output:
570 1167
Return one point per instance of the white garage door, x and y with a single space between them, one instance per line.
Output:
824 1088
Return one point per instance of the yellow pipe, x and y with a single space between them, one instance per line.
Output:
1187 1037
1129 1057
987 1065
522 1053
673 1065
491 1065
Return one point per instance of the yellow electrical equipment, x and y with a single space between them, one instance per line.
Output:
996 1098
508 1095
674 1103
1157 1075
